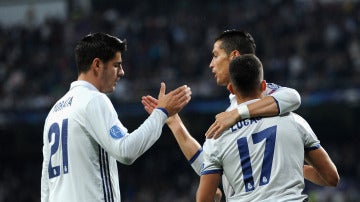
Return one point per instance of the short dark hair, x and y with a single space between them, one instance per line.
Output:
97 45
246 73
237 40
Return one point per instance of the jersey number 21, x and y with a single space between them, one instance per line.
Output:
54 171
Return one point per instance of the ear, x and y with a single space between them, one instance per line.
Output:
230 88
96 63
234 54
263 85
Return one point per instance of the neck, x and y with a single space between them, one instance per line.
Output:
241 99
88 78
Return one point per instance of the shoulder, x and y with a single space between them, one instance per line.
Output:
271 87
299 122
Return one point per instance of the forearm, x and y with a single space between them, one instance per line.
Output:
320 168
266 106
282 101
313 176
133 145
188 145
288 99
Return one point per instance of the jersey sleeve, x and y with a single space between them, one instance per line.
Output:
311 141
287 99
197 160
45 174
211 162
111 135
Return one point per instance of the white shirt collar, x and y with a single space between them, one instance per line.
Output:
86 84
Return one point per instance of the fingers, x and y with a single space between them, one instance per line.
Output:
217 133
213 131
182 93
184 97
162 89
210 132
149 101
175 100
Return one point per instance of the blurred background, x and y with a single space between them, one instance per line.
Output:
310 45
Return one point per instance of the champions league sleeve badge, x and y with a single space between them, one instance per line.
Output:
116 132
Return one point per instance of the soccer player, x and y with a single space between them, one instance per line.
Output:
263 158
83 138
276 99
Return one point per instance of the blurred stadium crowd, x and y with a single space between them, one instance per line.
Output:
312 46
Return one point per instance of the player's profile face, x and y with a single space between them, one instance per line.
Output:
111 73
219 64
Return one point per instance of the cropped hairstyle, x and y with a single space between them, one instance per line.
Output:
97 45
237 40
246 74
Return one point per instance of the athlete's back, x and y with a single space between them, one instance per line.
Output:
74 160
262 158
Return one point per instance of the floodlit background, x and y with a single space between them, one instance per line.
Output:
312 46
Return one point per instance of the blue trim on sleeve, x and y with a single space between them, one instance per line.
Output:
277 104
312 148
217 171
195 156
164 110
273 86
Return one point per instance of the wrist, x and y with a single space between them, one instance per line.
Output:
163 110
243 111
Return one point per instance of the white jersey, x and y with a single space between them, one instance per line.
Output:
262 158
287 99
83 138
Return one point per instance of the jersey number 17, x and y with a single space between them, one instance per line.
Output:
269 135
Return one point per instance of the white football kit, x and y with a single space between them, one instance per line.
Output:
262 158
287 100
83 140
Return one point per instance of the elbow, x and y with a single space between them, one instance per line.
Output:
127 160
334 180
296 99
202 198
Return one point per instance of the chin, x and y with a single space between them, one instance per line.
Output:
220 83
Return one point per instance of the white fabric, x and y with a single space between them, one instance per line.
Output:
238 153
287 99
83 127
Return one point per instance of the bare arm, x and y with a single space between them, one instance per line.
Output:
208 187
281 101
188 145
264 107
321 170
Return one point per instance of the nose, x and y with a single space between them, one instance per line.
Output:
211 65
121 72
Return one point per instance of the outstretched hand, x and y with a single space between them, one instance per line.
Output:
149 103
173 101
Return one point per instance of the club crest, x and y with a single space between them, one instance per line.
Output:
116 132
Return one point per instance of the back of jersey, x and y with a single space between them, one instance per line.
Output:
75 167
262 158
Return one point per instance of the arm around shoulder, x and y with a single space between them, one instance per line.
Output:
287 99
